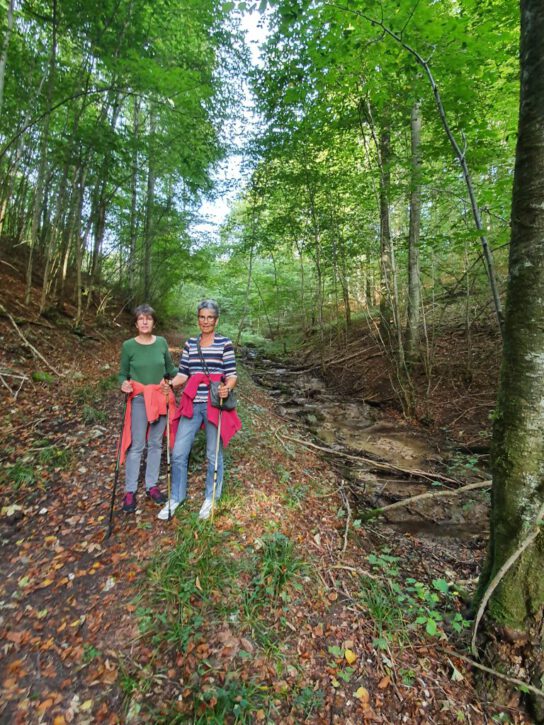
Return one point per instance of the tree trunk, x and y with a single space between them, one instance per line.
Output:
40 181
517 604
148 225
245 310
133 228
5 45
385 236
414 290
80 243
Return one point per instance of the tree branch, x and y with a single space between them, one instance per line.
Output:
35 352
430 494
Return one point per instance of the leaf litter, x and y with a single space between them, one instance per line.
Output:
271 618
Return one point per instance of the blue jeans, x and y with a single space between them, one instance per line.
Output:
187 430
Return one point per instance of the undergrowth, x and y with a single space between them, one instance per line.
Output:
397 604
211 579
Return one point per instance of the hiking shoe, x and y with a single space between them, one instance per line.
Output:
154 493
206 509
170 506
129 503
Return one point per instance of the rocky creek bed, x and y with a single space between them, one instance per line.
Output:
382 458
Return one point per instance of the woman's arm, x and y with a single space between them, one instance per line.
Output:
229 367
124 370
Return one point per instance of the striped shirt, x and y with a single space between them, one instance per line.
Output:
219 358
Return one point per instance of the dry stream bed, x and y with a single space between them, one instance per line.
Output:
383 459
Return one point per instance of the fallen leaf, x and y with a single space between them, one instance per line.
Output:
87 705
350 656
109 676
45 583
362 695
384 682
197 584
45 705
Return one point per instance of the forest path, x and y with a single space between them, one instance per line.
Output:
275 613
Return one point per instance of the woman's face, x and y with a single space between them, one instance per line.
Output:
207 321
145 324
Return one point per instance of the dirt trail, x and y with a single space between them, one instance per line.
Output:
95 631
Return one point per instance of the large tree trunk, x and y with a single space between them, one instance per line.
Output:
517 604
414 290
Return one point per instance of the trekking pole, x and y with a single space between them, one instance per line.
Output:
168 462
218 441
116 478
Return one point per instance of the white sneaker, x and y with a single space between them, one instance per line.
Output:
169 506
206 509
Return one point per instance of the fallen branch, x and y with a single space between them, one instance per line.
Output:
27 343
345 499
9 265
430 494
500 675
499 575
22 378
353 570
377 464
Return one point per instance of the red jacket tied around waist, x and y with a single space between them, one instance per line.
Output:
230 422
155 406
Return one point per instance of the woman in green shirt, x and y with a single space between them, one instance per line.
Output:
145 359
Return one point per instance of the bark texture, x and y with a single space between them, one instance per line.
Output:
517 604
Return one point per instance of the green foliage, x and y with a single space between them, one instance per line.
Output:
397 604
237 699
92 415
127 113
209 577
40 376
19 475
90 652
55 457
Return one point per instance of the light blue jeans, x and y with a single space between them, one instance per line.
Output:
187 430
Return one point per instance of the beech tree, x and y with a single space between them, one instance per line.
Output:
513 573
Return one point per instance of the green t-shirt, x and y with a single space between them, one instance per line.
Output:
146 364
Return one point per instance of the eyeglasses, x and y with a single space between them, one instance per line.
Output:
206 319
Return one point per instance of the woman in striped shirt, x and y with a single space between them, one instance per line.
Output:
218 354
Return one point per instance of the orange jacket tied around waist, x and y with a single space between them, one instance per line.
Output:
155 406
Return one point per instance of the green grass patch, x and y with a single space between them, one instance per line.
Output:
211 579
19 475
55 457
92 415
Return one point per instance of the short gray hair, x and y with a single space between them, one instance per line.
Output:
209 305
144 309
